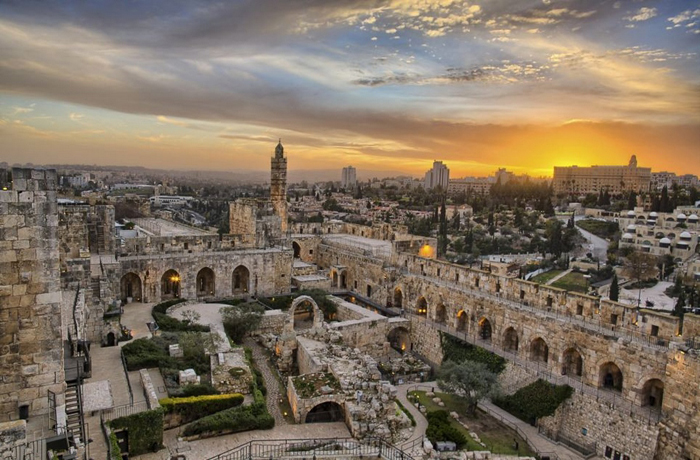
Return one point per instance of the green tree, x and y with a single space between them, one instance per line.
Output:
640 266
241 319
614 289
678 310
469 379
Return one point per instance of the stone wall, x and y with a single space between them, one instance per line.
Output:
31 347
425 341
272 322
586 421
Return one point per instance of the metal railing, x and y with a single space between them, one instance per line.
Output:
501 419
587 450
552 312
126 374
123 410
540 370
312 448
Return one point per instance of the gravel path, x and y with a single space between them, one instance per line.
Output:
271 382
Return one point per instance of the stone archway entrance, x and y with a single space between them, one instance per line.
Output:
400 339
240 281
422 307
170 285
653 393
297 250
510 340
573 363
398 298
539 351
205 282
131 287
610 377
440 314
462 321
485 329
303 314
326 412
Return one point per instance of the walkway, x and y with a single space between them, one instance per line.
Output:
271 383
421 422
597 245
559 276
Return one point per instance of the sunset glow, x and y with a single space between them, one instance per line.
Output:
384 85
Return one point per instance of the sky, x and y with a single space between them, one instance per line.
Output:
377 84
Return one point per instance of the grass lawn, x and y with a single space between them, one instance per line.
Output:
599 228
572 282
543 278
497 437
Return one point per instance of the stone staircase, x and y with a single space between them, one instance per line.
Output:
74 414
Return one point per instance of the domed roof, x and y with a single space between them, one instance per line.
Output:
627 236
664 241
630 214
680 216
685 235
631 227
693 217
653 214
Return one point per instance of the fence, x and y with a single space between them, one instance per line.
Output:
540 370
587 450
123 410
312 448
126 374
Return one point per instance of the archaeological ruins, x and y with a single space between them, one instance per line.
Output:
62 269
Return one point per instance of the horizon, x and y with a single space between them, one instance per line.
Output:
379 84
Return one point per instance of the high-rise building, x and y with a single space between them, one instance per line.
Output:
595 179
278 184
439 175
348 179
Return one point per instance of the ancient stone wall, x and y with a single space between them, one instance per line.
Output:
589 422
31 349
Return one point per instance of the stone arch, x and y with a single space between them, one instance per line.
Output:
343 279
170 285
398 298
539 350
205 282
462 321
510 340
297 250
399 338
440 314
652 393
610 377
325 412
334 279
572 363
240 280
485 329
303 316
422 306
131 287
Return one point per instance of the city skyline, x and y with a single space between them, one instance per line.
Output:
392 84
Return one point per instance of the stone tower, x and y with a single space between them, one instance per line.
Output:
31 349
278 184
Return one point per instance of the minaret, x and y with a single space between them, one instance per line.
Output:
278 184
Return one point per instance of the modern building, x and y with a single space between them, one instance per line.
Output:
595 179
348 179
480 185
438 175
667 179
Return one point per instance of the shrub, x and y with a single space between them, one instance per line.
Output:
144 353
407 412
539 399
440 429
459 351
145 431
195 407
199 389
244 418
168 323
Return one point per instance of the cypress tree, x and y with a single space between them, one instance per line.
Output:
614 289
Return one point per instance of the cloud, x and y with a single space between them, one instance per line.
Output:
644 14
76 116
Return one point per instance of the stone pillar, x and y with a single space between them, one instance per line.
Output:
278 185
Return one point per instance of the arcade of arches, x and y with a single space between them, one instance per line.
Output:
205 282
131 287
170 285
241 280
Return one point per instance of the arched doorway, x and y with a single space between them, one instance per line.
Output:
610 377
369 291
398 298
399 339
303 316
485 329
539 351
131 287
653 393
326 412
297 250
111 339
170 285
573 363
462 321
335 279
422 307
205 282
343 280
440 314
510 340
241 280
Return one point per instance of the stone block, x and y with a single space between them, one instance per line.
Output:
5 290
8 196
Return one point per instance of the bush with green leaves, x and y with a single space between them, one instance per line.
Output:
238 321
441 429
458 351
145 430
168 323
537 400
199 389
195 407
243 418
